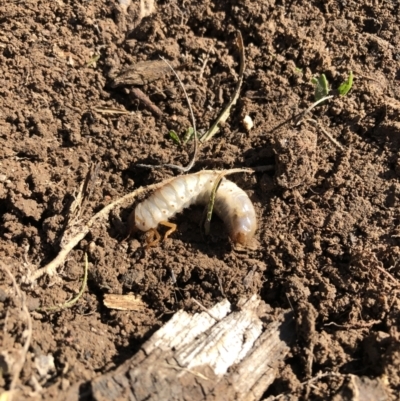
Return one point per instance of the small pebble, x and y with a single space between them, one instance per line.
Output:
248 123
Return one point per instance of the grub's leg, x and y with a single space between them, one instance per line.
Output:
153 238
172 228
132 229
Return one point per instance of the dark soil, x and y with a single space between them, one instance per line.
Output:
328 242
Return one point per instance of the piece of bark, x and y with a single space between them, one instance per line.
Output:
214 355
139 74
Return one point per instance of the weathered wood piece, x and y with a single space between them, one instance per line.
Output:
139 74
214 355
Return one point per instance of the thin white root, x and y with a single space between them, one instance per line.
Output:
196 139
315 104
327 135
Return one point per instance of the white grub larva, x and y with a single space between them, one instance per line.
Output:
232 204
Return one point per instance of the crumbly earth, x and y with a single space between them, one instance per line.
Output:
328 242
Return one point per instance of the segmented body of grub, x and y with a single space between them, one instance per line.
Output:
232 205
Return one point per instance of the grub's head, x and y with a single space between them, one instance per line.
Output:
243 230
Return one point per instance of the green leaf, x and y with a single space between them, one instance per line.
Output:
188 135
345 87
321 87
174 136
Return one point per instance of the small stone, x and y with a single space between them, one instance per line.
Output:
248 123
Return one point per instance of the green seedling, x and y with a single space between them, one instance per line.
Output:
188 135
321 87
345 87
175 137
321 95
186 138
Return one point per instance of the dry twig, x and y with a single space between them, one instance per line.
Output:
138 94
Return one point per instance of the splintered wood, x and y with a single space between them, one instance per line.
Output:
124 302
190 356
